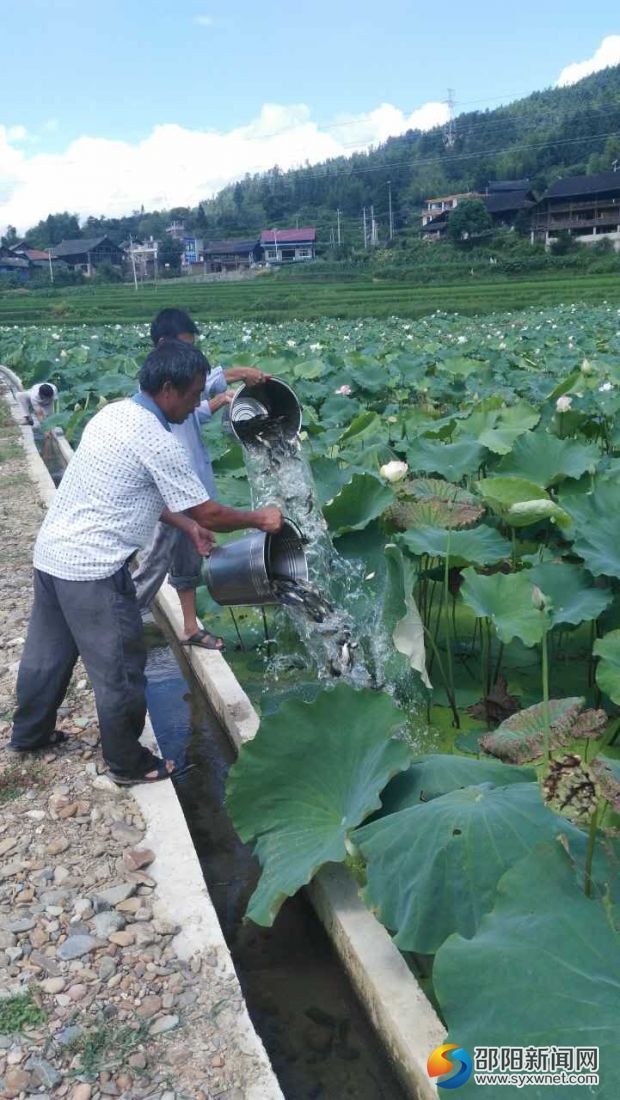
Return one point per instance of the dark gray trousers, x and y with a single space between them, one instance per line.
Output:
100 622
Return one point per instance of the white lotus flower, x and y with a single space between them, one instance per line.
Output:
394 471
343 391
586 367
316 347
563 404
605 388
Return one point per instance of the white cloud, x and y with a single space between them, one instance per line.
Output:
174 166
204 20
17 133
608 53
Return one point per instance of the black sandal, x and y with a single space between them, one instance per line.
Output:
215 643
56 738
161 772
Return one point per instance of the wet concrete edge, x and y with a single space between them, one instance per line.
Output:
406 1023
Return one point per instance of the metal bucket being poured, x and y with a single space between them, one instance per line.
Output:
268 409
243 572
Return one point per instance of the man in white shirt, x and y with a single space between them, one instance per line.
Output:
127 472
39 400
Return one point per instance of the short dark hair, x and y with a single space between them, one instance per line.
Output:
172 361
45 390
170 323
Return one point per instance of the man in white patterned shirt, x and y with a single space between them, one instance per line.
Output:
127 472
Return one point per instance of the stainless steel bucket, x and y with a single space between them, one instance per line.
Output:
240 573
272 398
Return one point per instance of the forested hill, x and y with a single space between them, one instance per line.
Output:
543 136
549 134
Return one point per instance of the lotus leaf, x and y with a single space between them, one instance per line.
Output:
502 493
545 460
608 668
607 774
520 738
450 460
481 545
433 869
430 502
542 933
358 502
401 613
505 599
533 511
366 425
595 516
431 776
296 797
573 598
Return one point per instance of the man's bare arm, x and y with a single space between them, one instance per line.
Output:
218 517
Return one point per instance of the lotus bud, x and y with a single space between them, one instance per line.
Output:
563 404
540 601
586 367
394 471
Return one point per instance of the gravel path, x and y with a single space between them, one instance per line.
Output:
94 1001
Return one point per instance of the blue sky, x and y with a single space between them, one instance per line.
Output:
118 71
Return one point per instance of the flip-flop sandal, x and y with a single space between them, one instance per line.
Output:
161 772
198 639
56 738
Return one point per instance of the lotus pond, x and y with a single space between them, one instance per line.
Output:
468 472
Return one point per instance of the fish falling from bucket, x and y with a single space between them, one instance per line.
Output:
300 596
267 432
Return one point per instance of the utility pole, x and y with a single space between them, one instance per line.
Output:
449 134
373 227
389 183
364 224
338 229
133 264
49 256
275 241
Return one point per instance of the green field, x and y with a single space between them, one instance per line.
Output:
268 299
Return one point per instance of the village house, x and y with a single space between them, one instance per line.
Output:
587 207
88 253
144 255
284 246
505 200
231 255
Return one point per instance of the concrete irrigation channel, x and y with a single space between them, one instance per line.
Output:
334 1003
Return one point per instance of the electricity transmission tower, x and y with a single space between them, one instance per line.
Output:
449 133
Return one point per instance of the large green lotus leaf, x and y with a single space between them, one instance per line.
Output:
534 511
313 772
501 493
436 774
520 738
400 612
595 516
450 460
505 599
545 459
329 477
543 934
431 502
607 649
480 546
511 422
461 365
433 869
358 502
367 424
573 597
